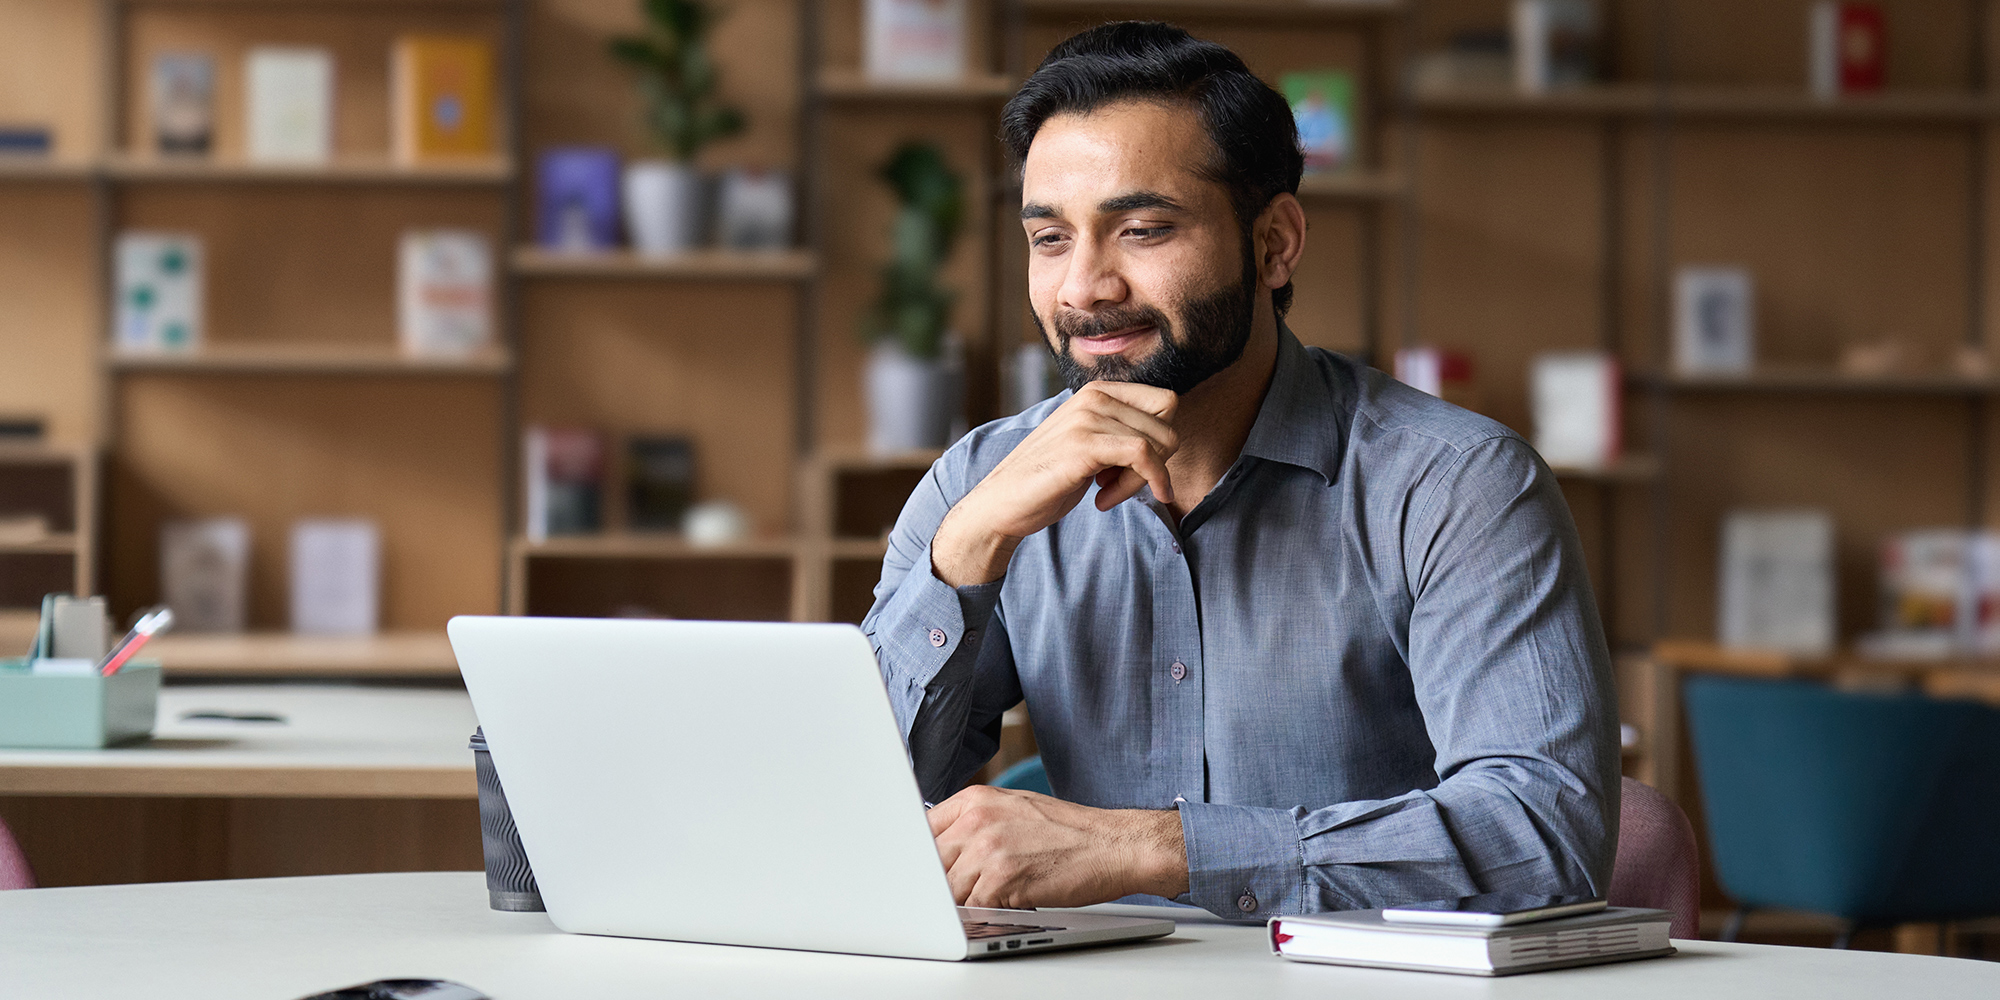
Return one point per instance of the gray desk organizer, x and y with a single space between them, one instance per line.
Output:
76 711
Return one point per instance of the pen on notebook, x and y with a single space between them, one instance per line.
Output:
149 625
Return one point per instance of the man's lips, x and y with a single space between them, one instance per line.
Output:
1112 343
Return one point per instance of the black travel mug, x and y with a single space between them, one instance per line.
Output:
510 883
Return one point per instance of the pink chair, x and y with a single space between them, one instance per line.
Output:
14 870
1656 865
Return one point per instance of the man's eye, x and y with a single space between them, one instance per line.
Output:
1148 232
1047 240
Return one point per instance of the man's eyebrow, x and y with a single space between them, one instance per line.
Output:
1037 210
1138 200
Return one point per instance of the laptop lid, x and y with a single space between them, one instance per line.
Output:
722 782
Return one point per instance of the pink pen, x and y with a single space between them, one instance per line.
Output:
148 626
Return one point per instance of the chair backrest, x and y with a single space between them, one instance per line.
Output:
1876 808
1656 865
14 870
1028 775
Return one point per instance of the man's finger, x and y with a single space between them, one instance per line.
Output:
1135 455
1152 399
944 814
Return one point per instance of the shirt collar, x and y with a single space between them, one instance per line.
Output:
1301 422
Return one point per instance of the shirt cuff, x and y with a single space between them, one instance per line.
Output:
930 620
1244 862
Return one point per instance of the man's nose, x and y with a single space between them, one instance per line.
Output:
1092 280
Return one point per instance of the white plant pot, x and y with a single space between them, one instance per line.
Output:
912 402
663 202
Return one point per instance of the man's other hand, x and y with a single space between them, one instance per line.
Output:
1118 435
1015 850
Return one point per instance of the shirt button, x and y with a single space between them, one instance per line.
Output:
937 637
1177 548
1179 670
1247 902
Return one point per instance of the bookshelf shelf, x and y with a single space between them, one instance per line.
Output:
858 548
311 359
58 545
42 169
1705 103
1288 11
1361 186
852 85
494 171
1821 380
662 546
282 654
1629 469
739 265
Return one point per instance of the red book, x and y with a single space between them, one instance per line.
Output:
1863 47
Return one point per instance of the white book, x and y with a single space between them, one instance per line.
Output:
290 101
1715 330
1577 406
1777 581
205 573
1362 937
336 576
444 292
915 39
81 628
1555 44
159 289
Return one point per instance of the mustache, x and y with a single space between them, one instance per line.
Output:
1071 323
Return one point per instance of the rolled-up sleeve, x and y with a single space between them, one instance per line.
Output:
941 649
1511 671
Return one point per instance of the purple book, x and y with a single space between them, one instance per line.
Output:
578 209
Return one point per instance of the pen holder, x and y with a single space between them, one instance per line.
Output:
76 709
510 883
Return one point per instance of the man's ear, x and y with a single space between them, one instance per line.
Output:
1280 240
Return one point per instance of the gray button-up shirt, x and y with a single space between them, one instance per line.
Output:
1367 668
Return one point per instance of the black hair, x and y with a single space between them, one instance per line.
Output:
1250 124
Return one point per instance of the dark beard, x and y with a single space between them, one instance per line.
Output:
1217 328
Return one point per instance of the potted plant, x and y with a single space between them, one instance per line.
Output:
912 377
663 198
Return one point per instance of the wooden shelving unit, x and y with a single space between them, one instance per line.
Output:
1826 381
703 265
851 85
311 359
1280 12
1716 104
284 655
356 170
1628 469
49 496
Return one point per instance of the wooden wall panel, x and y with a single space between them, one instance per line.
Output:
49 72
1510 240
1764 43
360 36
302 263
1877 464
713 361
52 319
418 454
1852 233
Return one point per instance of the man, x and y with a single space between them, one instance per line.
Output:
1293 636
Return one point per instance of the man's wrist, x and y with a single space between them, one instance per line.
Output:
1158 852
964 554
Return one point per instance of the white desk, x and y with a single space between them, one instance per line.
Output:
276 939
336 742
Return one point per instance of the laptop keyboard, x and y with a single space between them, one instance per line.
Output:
977 929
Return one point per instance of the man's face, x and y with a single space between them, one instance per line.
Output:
1136 266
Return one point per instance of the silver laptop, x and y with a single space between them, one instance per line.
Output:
727 783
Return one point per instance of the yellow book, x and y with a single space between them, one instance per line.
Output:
442 90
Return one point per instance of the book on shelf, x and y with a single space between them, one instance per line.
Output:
159 279
26 140
1323 108
1555 44
1848 48
336 576
205 573
183 103
1939 593
1472 59
659 482
563 469
1715 313
444 292
1577 398
1363 938
289 103
1442 372
1777 581
442 94
915 40
754 209
576 191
